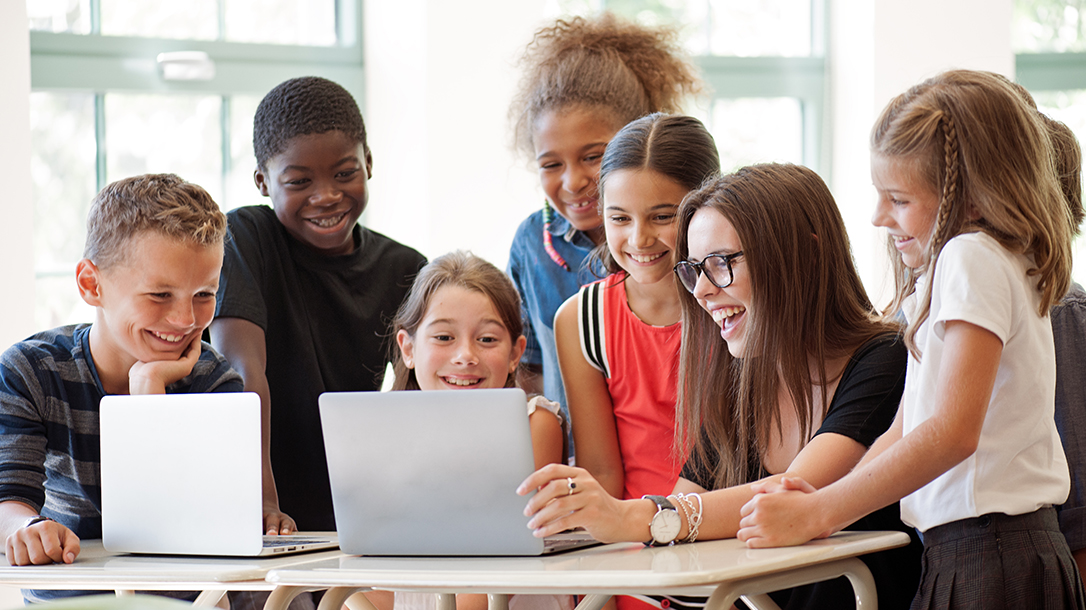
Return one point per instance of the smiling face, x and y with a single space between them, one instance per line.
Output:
711 233
569 145
460 343
318 189
639 221
906 207
152 304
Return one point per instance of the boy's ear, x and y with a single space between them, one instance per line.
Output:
261 181
518 351
369 164
407 348
89 279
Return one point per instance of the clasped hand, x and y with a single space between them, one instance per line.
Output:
782 513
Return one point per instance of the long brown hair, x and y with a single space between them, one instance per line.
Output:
606 64
808 304
972 138
465 270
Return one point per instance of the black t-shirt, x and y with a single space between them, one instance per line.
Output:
326 323
863 407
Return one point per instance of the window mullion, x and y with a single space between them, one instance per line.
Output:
227 139
100 140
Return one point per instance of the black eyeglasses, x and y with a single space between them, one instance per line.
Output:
716 267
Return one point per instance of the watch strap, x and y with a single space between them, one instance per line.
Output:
34 520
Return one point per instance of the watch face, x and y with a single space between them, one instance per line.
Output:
665 526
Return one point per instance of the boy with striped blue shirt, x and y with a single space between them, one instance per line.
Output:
150 269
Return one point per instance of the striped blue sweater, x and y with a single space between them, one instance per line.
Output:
49 449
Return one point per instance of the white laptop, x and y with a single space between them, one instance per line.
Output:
432 473
181 475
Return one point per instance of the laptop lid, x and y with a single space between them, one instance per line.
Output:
181 474
429 473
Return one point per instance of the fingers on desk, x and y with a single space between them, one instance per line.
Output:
42 543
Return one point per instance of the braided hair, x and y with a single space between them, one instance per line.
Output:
972 138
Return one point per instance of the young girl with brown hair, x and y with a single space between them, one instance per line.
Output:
969 195
460 329
583 80
784 370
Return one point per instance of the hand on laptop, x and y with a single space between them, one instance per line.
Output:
568 497
42 543
276 522
153 377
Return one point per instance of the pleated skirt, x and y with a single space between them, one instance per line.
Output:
999 561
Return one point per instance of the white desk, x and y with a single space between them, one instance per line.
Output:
726 565
97 568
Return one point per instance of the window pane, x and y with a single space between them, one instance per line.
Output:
725 27
71 16
296 22
191 19
1049 26
1069 107
57 301
757 130
62 169
179 134
240 189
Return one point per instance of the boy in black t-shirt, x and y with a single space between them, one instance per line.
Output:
306 292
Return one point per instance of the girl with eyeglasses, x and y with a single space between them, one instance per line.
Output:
785 369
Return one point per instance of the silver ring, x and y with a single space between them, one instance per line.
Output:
572 486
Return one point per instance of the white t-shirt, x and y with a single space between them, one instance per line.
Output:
1019 465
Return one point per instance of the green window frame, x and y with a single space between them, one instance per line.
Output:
801 78
100 64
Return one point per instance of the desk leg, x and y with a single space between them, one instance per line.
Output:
209 598
497 601
594 601
335 597
858 574
282 595
446 601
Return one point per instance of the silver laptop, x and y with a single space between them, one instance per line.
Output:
181 475
432 473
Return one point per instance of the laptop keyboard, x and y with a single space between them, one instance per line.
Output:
277 541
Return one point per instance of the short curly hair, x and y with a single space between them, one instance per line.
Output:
163 203
302 106
604 63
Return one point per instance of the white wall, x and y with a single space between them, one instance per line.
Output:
439 79
880 48
16 227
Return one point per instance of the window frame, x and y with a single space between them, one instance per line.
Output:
96 64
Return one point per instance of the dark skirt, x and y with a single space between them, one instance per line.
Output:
999 561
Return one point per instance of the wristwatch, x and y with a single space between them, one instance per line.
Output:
35 519
666 523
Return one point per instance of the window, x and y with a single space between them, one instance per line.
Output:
763 62
1050 39
103 106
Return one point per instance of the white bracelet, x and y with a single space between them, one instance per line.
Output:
694 517
680 502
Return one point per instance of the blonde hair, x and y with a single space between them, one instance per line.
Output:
808 305
605 64
971 138
163 203
467 271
